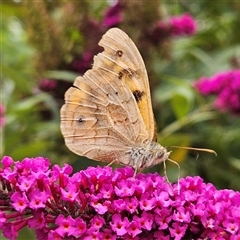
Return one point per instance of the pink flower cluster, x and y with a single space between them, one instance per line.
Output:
99 203
226 86
113 16
82 64
175 26
47 85
183 25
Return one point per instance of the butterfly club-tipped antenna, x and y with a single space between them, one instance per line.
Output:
197 149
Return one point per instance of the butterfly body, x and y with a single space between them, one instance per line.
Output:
107 115
147 155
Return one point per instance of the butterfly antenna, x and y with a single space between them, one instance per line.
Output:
197 149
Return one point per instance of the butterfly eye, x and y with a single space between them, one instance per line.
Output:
119 53
161 154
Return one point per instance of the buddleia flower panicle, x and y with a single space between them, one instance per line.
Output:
225 86
101 203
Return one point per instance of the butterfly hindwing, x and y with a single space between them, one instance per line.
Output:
101 120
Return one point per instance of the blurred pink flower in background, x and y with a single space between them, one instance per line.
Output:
176 26
83 63
226 86
183 25
113 16
47 85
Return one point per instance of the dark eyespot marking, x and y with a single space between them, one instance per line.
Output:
127 72
80 120
138 95
120 75
119 53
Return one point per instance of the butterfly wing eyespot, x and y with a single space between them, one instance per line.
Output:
80 120
119 53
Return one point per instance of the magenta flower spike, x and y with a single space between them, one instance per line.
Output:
101 203
183 25
113 16
225 86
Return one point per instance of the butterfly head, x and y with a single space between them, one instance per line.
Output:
159 154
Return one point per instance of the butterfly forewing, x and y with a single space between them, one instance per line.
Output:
122 57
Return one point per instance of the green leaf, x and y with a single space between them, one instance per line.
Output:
182 101
30 149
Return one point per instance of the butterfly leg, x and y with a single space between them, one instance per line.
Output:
111 162
135 172
165 172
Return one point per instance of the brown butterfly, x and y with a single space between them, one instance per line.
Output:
107 115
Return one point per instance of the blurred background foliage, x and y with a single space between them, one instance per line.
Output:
46 44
